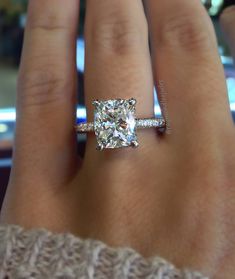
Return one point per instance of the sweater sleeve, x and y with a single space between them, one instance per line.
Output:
39 253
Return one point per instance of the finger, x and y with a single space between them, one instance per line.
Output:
187 64
227 21
117 60
45 141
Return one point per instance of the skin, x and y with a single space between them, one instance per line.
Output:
174 196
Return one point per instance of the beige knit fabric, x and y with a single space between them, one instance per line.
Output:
41 254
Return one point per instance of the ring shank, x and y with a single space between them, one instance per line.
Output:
142 123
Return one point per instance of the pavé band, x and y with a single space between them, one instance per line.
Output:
144 123
115 124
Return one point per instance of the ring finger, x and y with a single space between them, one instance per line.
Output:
118 62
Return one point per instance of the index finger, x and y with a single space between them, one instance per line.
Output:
46 92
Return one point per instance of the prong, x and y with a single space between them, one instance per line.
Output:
99 147
134 143
96 103
132 101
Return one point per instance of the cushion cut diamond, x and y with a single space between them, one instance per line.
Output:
115 124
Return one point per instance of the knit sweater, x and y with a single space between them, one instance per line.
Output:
39 253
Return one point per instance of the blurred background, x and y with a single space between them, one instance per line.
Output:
12 23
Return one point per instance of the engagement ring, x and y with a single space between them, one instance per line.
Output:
115 124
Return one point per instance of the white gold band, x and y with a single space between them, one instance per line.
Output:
158 123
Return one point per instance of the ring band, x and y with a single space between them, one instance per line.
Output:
143 123
115 124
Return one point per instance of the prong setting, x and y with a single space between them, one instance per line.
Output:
99 147
96 103
134 143
115 124
132 102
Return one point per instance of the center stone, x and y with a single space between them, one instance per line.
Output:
115 124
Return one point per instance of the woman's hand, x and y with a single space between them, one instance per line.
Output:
173 196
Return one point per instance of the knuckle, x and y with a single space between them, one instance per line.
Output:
50 21
186 31
40 87
117 34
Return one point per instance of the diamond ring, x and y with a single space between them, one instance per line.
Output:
115 124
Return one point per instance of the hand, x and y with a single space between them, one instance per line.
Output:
174 195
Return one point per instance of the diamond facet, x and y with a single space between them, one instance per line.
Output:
115 124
